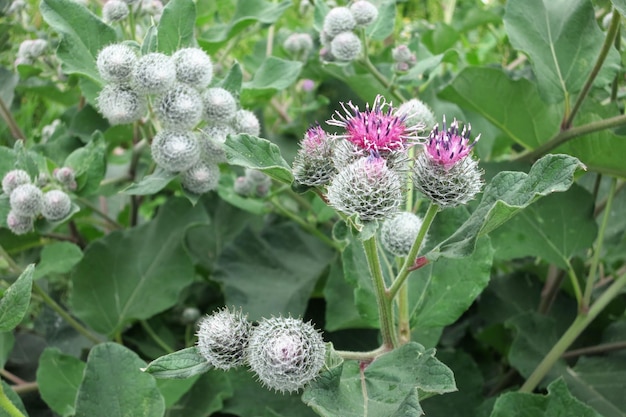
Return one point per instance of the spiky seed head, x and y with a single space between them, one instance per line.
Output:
180 108
416 112
243 186
152 8
219 105
212 150
193 67
175 151
285 353
114 11
201 178
246 122
366 187
338 20
313 164
32 49
299 44
66 176
346 46
56 205
223 338
155 73
120 104
26 200
19 224
447 147
116 63
218 132
14 179
399 232
259 182
364 12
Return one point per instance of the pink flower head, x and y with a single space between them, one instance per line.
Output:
376 129
315 140
447 147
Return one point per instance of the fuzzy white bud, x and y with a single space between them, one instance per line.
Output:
155 73
399 232
175 151
416 112
219 105
14 179
19 224
201 178
211 148
121 104
346 46
26 200
116 63
180 108
193 67
223 337
246 122
114 11
338 20
32 49
364 12
56 205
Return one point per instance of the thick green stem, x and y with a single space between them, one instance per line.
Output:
16 132
595 261
410 259
7 405
385 311
575 284
362 356
604 51
580 323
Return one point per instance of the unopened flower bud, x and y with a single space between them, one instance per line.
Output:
116 63
368 188
114 11
193 67
313 164
155 73
243 186
285 353
364 12
223 338
399 232
444 172
66 176
175 151
14 179
338 20
180 108
298 44
260 182
416 112
32 49
19 224
346 46
246 122
201 178
26 200
219 105
121 104
212 150
190 315
56 205
402 53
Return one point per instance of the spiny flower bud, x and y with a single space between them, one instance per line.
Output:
56 205
175 151
338 19
211 149
368 188
219 105
116 63
313 164
285 353
114 11
246 122
260 183
364 12
155 73
399 232
32 49
223 337
298 44
201 178
415 112
243 186
180 108
444 172
193 67
402 53
19 224
66 176
26 200
218 132
14 179
190 315
346 46
121 104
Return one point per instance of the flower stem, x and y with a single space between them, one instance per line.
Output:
16 132
362 356
433 208
7 405
580 323
385 312
365 60
100 213
157 339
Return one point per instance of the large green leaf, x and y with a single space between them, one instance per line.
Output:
89 165
59 377
58 258
206 396
114 386
181 364
256 153
83 35
15 300
273 272
562 39
558 403
392 385
382 27
175 30
136 273
151 184
555 228
620 5
8 81
507 194
274 74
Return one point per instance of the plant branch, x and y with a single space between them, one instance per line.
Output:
593 350
96 210
5 113
365 60
7 405
362 356
157 339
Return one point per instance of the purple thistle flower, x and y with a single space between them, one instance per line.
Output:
315 140
376 129
447 147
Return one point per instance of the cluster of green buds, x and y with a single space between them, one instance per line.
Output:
28 200
118 10
285 353
339 42
403 57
